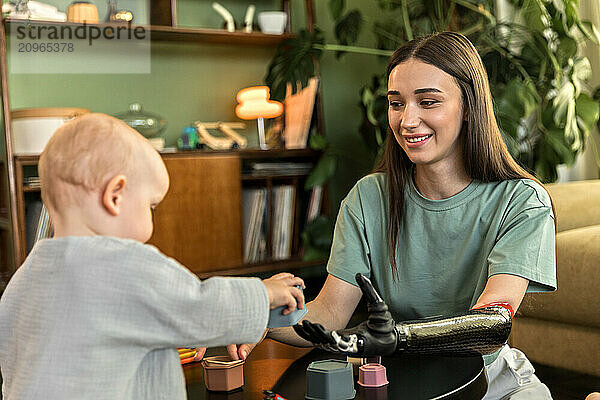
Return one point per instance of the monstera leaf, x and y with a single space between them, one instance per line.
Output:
293 62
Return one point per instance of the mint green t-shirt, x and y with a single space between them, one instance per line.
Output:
447 249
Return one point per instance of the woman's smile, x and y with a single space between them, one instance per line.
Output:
414 141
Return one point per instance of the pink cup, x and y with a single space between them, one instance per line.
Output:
372 375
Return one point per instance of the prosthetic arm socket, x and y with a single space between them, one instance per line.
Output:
482 330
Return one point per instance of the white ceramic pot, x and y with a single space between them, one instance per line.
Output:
33 127
272 22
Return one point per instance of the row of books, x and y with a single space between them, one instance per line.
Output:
255 221
38 222
255 226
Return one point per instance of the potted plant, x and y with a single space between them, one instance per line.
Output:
537 76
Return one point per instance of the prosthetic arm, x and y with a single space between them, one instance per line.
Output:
482 330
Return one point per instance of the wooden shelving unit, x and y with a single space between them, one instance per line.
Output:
200 221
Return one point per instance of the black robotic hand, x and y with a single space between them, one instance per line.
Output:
376 336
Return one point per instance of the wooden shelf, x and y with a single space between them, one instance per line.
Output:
30 159
289 264
247 154
278 153
31 189
264 177
4 225
179 34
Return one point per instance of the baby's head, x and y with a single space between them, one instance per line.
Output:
101 177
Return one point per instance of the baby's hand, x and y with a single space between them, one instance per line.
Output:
282 291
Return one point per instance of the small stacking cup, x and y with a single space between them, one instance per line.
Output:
278 320
372 375
222 374
329 380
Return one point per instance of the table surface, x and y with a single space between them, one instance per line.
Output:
282 368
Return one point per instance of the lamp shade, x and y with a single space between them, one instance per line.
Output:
253 103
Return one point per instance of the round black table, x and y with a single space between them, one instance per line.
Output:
282 369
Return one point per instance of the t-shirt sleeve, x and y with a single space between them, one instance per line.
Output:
525 245
349 250
169 306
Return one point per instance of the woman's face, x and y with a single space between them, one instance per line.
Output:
425 113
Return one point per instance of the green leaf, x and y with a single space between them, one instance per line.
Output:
518 100
546 162
324 170
534 14
589 30
293 62
581 72
348 28
587 110
336 7
565 98
318 142
556 139
571 13
567 48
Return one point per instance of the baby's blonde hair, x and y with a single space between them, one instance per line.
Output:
84 154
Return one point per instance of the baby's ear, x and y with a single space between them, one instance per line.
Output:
113 194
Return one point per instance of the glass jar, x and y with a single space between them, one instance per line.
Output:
148 124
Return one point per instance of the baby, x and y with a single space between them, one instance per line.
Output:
95 313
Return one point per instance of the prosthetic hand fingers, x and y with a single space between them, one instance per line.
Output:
346 343
301 331
368 290
314 333
322 334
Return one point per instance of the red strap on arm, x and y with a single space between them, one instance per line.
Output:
499 303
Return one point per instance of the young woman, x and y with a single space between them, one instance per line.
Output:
448 223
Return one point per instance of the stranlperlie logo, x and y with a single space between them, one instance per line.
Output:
44 47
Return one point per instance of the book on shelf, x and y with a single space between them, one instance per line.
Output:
299 114
314 203
283 221
38 224
32 181
254 208
44 229
255 215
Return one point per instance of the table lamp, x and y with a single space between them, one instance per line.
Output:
254 103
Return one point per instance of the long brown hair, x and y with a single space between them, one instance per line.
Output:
486 157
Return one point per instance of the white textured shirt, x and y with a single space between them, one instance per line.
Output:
100 318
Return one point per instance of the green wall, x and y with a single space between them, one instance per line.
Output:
192 82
